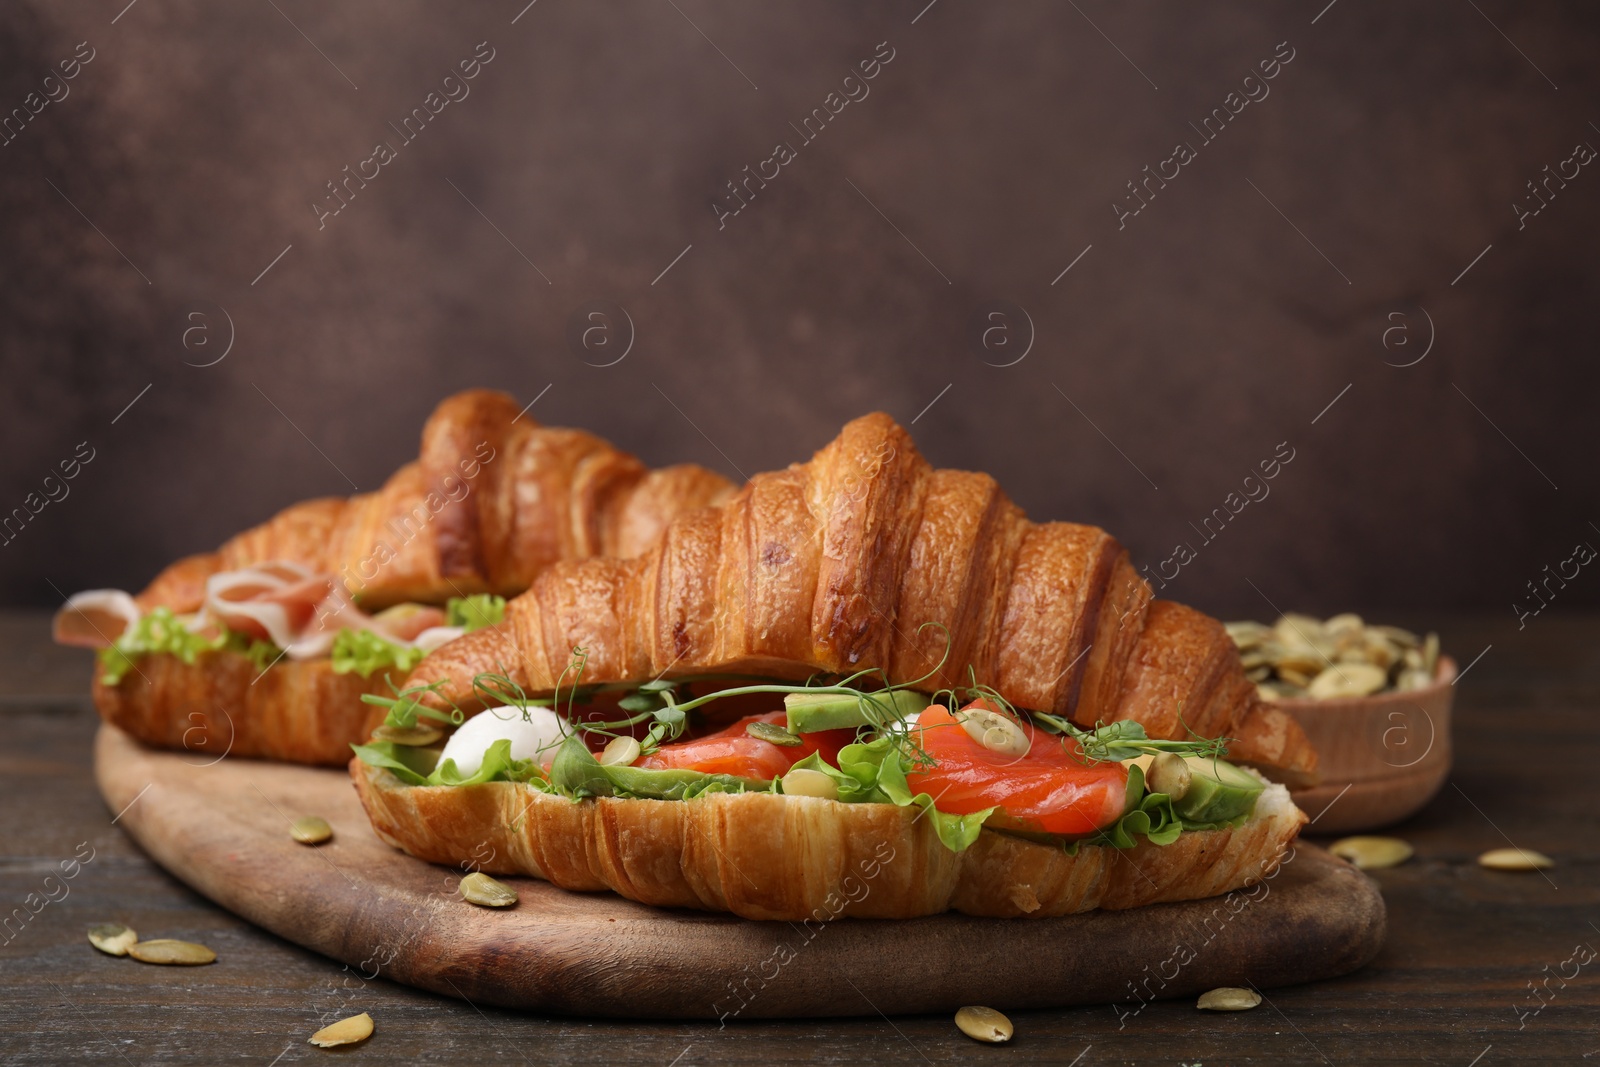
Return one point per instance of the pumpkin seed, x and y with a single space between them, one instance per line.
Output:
1228 998
165 950
416 736
1169 773
113 939
1403 638
1293 658
478 888
772 733
1347 680
1247 634
804 782
996 732
620 752
1348 623
1372 853
984 1024
1409 680
1295 678
311 830
1515 859
344 1032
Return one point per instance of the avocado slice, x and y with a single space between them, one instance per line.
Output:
811 712
1204 789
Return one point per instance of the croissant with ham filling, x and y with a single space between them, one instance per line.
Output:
266 646
908 662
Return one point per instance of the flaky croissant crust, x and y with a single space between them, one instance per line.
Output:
837 564
768 856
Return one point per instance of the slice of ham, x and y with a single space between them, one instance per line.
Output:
94 618
294 608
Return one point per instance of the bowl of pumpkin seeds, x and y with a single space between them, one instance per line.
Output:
1375 702
1303 657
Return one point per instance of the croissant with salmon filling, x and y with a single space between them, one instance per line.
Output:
917 604
265 647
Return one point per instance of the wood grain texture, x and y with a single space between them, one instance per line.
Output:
223 829
1463 942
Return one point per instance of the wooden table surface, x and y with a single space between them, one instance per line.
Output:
1454 985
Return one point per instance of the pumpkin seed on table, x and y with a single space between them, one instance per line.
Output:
344 1032
311 830
1372 853
113 939
1228 998
984 1024
478 888
1515 859
173 953
413 736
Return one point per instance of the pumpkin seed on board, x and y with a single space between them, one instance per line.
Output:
311 830
984 1024
1228 998
344 1032
175 953
414 736
1372 853
1515 859
478 888
113 939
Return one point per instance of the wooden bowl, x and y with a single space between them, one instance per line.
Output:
1382 757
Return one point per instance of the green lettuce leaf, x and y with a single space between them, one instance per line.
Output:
874 773
161 632
475 612
577 774
363 652
1148 815
412 765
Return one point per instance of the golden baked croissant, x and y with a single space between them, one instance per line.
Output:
492 501
837 564
832 567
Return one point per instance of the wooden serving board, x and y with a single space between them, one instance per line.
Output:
224 829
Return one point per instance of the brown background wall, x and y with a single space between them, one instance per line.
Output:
1217 323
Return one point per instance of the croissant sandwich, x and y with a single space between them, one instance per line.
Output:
266 646
859 686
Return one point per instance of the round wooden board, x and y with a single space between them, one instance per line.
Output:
224 829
